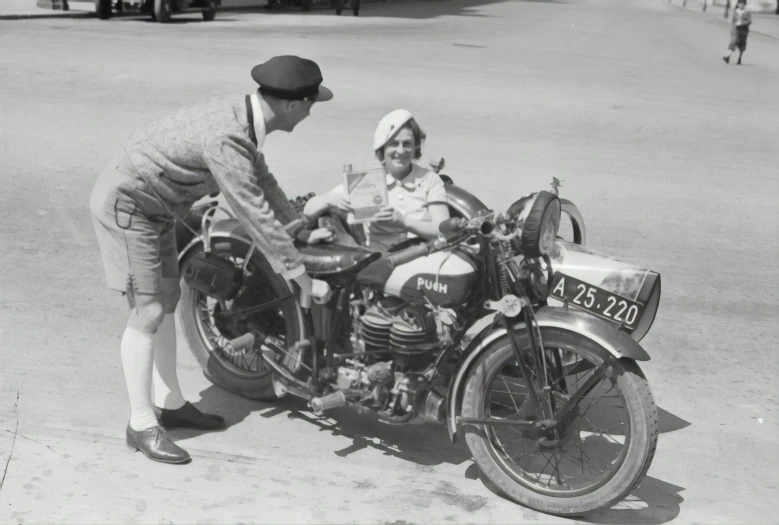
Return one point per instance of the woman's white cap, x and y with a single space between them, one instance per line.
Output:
388 127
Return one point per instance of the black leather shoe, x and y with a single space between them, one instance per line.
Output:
189 417
156 444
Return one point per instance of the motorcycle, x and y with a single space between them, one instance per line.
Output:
522 343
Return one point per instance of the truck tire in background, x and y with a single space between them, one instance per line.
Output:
210 12
162 11
103 9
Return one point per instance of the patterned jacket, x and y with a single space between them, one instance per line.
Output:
212 146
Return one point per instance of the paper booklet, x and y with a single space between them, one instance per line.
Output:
367 191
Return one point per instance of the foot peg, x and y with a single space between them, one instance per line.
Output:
334 400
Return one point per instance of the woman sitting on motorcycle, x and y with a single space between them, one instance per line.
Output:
417 198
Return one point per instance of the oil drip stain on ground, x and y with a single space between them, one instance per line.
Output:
453 496
364 484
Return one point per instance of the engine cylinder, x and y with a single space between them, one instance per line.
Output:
407 330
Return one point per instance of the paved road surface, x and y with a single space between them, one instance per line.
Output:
671 154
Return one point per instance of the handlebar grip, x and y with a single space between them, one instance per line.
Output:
409 254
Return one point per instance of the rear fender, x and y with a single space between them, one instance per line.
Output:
222 229
616 343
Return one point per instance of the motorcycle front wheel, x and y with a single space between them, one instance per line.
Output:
208 326
592 460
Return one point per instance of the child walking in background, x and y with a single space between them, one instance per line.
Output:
739 31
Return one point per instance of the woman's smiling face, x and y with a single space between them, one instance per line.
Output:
399 152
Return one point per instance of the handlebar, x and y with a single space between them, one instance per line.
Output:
486 226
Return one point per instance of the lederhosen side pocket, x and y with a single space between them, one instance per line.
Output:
123 212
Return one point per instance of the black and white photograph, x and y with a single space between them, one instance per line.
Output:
389 262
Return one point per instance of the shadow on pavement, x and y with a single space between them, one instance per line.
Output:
669 422
433 9
653 503
424 9
174 21
424 444
214 400
410 10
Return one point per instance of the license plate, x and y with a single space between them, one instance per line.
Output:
597 301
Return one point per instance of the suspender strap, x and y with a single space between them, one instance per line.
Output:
250 116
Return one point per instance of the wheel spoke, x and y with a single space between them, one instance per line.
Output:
589 459
499 403
548 461
557 471
510 395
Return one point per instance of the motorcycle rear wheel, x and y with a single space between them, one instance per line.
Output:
205 331
521 480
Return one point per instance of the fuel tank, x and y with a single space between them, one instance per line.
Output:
616 291
443 278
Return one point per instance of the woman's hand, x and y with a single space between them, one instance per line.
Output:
392 216
339 202
321 235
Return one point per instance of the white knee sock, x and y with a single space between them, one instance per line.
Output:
167 393
137 350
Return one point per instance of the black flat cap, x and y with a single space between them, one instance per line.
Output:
291 77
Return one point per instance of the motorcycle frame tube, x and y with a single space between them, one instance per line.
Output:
617 343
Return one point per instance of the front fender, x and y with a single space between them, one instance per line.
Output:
463 202
577 221
616 342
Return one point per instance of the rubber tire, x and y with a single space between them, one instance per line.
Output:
103 9
531 234
643 419
162 11
214 370
210 13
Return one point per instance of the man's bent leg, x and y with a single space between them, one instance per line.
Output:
167 393
173 409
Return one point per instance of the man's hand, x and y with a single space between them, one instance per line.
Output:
392 216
